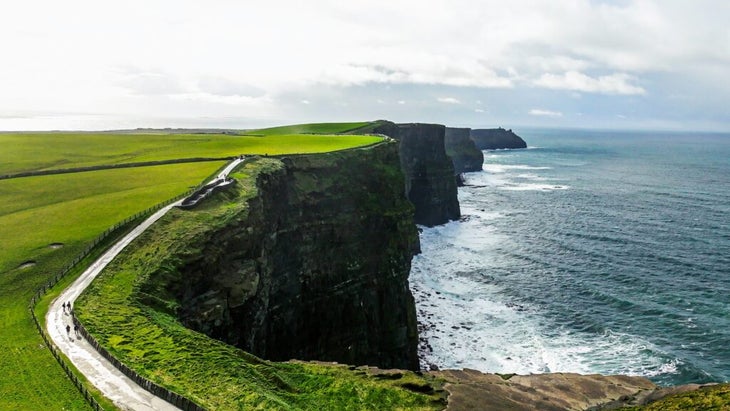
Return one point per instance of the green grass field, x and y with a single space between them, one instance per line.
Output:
73 209
317 128
69 209
23 152
156 345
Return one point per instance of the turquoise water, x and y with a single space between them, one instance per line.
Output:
590 252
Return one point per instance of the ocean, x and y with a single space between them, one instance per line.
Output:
589 252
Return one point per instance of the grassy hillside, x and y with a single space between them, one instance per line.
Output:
24 152
712 398
313 128
213 374
69 209
72 209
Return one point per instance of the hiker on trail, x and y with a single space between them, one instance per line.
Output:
68 329
76 330
64 308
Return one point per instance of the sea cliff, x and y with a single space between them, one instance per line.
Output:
462 150
496 138
429 172
316 269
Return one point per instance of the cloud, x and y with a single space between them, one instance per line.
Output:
305 102
418 68
149 82
222 86
200 60
448 100
478 110
618 83
544 113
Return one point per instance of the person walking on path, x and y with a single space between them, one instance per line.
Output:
76 330
68 329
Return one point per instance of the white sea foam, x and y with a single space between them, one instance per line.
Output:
468 321
502 168
533 187
468 324
514 178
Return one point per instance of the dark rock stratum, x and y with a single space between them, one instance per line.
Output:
317 268
496 138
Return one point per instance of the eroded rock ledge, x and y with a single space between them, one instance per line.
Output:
474 390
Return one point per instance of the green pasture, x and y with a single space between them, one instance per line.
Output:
311 128
213 374
72 209
69 209
24 152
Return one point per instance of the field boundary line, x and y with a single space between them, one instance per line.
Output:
110 167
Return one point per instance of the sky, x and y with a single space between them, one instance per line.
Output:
623 64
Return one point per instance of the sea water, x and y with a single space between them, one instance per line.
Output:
588 252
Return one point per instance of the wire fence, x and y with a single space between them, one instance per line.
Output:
174 398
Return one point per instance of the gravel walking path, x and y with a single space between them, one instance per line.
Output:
124 392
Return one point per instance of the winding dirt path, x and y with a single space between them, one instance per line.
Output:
124 392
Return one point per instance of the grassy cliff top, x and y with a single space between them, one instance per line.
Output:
211 373
312 128
46 221
23 152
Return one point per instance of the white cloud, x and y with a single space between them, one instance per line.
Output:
448 100
306 102
149 82
401 102
544 113
618 83
222 86
227 55
479 110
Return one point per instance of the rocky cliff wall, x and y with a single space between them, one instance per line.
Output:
496 138
462 150
430 183
316 269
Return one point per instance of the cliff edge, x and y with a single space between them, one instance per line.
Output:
430 184
462 150
317 269
496 138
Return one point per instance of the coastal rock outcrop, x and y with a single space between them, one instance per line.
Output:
496 138
472 390
317 268
430 183
462 150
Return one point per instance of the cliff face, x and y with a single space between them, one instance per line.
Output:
430 183
317 269
496 138
463 151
